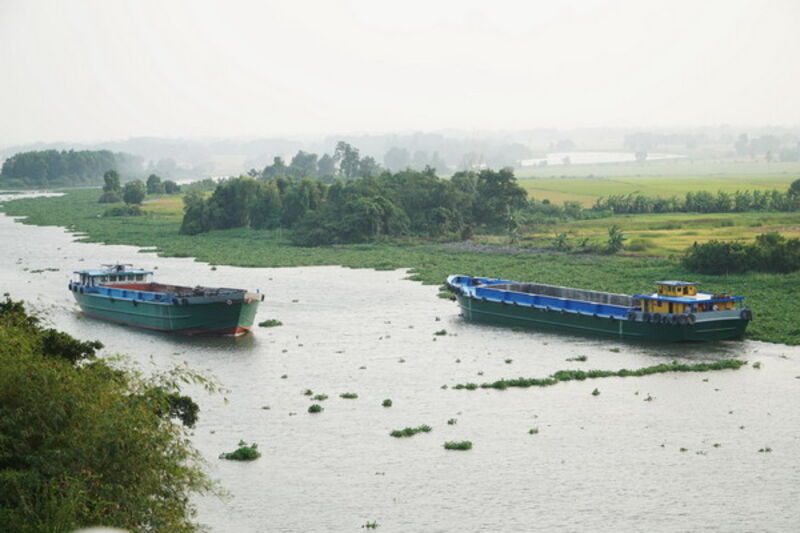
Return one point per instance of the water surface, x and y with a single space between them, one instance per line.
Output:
598 463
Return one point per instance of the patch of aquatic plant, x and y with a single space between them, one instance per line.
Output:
308 392
452 422
271 323
765 450
410 432
596 392
315 408
533 431
387 402
348 395
319 397
458 445
757 364
441 332
370 525
509 361
581 375
243 453
580 358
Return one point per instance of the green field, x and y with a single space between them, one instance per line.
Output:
587 190
773 297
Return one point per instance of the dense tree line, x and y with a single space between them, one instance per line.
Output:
83 443
771 252
357 210
51 167
704 202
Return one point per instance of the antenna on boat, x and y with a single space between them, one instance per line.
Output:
118 267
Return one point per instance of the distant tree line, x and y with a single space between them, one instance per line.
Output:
704 202
51 167
359 209
771 252
346 162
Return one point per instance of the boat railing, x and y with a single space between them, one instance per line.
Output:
551 302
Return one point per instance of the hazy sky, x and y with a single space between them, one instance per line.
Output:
95 70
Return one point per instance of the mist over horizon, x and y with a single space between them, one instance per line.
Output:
94 72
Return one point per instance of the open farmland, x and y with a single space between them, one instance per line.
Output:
587 190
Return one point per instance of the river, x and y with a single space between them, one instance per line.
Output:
611 462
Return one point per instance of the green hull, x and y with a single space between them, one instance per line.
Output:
530 317
206 318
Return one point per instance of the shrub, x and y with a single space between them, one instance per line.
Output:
410 432
243 453
458 445
111 451
124 211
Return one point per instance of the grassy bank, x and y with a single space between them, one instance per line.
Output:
772 297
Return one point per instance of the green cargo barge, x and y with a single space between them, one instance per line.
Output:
121 294
675 312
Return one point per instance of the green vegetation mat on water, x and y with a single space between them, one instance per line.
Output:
580 375
772 297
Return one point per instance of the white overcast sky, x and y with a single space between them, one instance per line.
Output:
106 69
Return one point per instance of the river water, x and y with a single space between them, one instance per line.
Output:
611 462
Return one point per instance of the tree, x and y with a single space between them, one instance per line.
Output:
276 170
616 239
154 185
134 192
347 157
195 215
326 166
170 187
303 165
742 145
397 159
112 450
368 167
111 188
794 189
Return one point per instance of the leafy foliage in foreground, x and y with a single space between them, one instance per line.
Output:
580 375
84 443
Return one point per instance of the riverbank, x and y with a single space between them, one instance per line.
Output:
772 297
